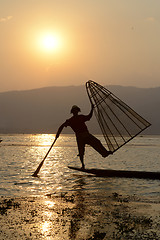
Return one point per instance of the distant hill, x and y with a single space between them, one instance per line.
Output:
44 110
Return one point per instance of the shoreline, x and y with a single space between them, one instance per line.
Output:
79 215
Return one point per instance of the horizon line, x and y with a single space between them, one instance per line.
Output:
80 85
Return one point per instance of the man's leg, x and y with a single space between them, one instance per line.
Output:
81 149
97 145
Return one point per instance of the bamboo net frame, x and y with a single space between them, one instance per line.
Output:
118 122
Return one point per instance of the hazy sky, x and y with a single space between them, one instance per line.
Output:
67 42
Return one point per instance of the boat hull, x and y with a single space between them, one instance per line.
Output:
119 173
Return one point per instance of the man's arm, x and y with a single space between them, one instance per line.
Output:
88 117
60 130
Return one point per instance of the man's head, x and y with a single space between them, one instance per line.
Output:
75 109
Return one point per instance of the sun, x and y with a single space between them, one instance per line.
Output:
49 42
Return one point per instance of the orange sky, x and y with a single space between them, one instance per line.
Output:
111 42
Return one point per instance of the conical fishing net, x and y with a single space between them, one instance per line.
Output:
118 122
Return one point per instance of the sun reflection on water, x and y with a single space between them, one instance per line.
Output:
44 139
49 203
46 227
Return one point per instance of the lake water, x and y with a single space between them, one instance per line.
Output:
20 154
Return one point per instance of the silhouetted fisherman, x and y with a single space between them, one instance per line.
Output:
83 137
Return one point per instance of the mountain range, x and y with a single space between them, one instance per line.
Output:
44 110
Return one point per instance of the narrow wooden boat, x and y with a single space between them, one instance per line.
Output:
119 173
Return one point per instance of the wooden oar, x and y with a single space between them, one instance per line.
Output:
35 174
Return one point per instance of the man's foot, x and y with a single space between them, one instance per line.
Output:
83 166
107 154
